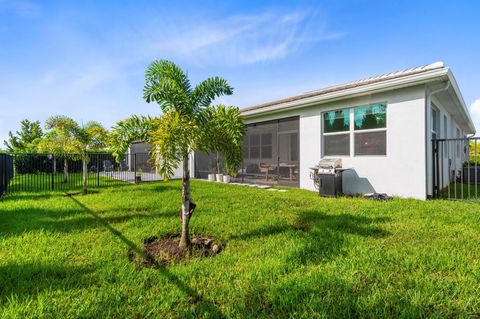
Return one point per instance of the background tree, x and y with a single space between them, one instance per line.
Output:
60 140
66 137
188 123
25 139
90 137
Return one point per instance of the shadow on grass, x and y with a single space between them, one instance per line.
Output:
321 236
27 196
62 220
317 238
24 280
202 306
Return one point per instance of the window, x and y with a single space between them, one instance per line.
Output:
254 146
258 146
370 117
336 133
370 129
246 154
364 126
336 121
336 144
266 146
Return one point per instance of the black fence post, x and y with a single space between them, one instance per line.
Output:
135 167
53 172
98 171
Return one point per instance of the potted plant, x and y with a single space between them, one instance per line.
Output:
211 175
227 178
138 175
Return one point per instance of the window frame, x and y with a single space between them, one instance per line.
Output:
347 132
352 131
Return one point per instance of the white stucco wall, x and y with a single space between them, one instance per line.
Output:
402 172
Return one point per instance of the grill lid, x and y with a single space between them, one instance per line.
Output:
330 163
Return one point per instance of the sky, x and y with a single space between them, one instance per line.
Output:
87 59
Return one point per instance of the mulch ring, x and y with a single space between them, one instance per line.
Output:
159 252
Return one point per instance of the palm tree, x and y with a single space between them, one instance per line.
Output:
188 123
59 140
68 139
91 136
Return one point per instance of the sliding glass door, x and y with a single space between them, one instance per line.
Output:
271 153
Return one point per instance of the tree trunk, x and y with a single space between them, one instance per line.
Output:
65 170
187 205
84 170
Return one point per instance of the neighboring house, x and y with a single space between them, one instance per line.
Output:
381 128
138 158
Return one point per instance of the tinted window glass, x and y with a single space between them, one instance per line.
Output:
370 117
336 121
371 143
338 144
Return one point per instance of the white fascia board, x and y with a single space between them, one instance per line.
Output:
392 84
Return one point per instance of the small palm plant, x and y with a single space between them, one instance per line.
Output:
69 139
59 139
188 123
91 136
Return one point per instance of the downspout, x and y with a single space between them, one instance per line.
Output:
428 142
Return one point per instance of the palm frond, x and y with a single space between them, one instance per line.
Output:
124 133
206 91
172 139
167 84
224 133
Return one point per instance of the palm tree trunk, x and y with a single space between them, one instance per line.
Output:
186 207
65 170
84 170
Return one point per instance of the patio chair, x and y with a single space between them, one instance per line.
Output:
107 166
123 166
266 168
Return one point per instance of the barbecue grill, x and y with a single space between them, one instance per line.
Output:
327 177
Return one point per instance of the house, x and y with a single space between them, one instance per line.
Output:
381 128
138 159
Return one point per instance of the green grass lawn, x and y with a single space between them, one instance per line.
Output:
287 254
462 191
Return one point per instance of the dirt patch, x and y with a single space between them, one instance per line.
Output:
159 252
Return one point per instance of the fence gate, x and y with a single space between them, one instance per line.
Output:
31 172
455 168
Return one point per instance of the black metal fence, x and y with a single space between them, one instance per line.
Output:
6 172
31 172
456 168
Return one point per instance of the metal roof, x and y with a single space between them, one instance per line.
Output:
351 85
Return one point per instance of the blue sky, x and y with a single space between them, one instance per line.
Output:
86 59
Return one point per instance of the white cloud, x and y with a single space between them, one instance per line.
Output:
241 39
475 112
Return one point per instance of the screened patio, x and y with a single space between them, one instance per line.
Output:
270 151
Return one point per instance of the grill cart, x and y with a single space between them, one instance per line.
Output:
327 177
